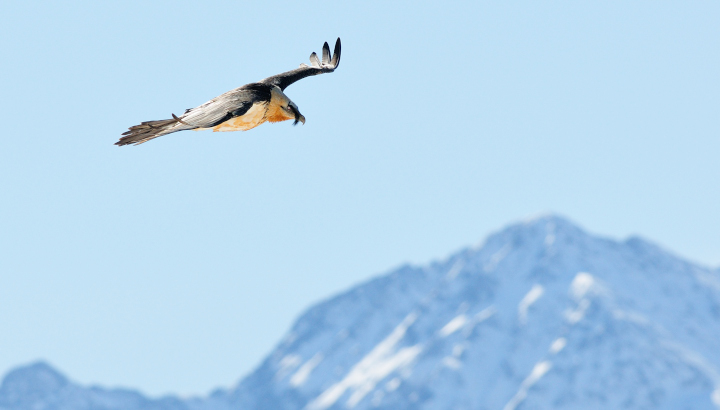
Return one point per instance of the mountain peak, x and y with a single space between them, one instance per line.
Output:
542 229
37 379
540 299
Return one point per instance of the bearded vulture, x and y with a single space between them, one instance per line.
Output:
242 108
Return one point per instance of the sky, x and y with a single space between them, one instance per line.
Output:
175 266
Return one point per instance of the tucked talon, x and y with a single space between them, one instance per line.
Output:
179 120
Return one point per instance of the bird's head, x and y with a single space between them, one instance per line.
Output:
293 110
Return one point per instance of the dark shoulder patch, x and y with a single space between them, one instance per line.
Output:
260 91
241 110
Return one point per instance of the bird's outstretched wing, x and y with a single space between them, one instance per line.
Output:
327 65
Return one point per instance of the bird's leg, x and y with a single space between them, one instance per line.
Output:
181 121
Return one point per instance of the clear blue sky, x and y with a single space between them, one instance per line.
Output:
175 266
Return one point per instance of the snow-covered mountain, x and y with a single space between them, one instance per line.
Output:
542 315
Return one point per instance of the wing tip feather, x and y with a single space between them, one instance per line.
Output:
336 54
325 54
314 60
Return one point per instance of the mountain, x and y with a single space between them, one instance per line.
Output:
542 315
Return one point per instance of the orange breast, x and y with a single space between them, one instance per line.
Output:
259 113
275 113
251 119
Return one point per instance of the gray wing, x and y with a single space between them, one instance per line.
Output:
327 65
231 104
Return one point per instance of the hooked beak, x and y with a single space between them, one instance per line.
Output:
299 118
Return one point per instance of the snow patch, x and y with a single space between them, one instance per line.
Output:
368 372
558 345
287 364
451 362
393 384
454 270
452 326
403 357
531 297
458 350
581 285
485 314
576 315
303 372
479 317
496 258
537 372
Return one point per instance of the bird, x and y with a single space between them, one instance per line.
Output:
243 108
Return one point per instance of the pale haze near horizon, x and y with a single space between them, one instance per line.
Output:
175 266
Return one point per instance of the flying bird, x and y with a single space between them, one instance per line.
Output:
243 108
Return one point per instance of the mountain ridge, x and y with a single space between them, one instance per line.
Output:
519 321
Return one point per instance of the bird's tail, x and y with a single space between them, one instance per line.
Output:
145 131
